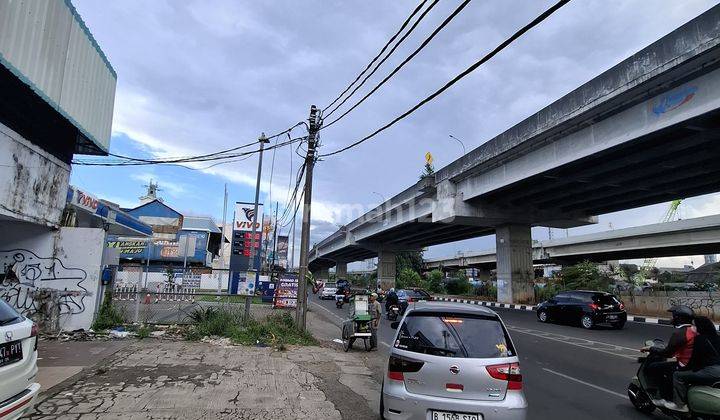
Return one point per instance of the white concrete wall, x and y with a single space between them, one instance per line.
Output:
207 281
67 261
34 183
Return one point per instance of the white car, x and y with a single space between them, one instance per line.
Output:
18 363
328 291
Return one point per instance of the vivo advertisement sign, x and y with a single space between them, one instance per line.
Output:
242 246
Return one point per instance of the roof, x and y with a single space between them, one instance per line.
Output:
435 306
154 202
200 223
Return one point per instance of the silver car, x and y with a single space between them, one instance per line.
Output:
452 361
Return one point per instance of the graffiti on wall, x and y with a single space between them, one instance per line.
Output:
695 302
31 283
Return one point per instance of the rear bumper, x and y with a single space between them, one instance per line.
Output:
402 405
608 318
20 404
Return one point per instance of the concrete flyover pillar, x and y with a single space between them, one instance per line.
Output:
514 264
341 270
386 269
322 274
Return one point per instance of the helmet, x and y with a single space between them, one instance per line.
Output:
681 314
374 295
392 289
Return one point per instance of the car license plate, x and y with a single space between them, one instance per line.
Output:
611 317
447 415
10 352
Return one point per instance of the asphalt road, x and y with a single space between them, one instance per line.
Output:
568 372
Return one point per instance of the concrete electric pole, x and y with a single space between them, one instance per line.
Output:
314 126
253 269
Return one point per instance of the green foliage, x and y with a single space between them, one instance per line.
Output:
583 276
144 332
277 330
408 278
487 291
435 281
412 260
109 315
458 286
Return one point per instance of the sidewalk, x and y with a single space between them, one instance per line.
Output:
191 380
60 360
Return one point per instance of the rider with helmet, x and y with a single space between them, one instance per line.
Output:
391 299
680 346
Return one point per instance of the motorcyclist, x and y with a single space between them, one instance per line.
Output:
680 346
391 299
704 366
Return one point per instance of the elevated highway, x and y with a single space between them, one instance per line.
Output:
695 236
643 132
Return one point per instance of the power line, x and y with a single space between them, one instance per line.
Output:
407 60
467 71
390 41
197 157
211 157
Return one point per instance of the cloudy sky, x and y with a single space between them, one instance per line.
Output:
197 76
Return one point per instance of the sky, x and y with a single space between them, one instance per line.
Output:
197 76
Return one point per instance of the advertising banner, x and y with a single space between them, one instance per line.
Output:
286 292
282 251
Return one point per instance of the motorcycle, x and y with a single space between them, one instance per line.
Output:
339 301
392 312
703 401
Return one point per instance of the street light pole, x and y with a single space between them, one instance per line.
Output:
459 141
248 299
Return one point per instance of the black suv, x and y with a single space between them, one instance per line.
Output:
586 307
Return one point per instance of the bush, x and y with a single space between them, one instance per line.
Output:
277 330
143 332
109 315
408 278
486 290
458 286
435 281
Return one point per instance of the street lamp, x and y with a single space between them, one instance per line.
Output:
459 141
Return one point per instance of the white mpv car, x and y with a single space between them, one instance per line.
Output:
18 363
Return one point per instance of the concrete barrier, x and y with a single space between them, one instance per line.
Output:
657 303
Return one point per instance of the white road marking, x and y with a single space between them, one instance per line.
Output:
586 344
599 388
328 311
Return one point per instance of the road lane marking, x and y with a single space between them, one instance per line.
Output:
599 388
586 344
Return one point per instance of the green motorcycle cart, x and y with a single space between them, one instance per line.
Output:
357 326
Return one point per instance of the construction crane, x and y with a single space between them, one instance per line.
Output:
649 263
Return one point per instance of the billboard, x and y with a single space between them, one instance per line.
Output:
243 245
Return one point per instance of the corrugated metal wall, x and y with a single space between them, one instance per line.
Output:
46 44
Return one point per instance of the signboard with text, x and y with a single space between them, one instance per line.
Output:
243 243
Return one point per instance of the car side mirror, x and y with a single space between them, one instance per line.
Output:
395 325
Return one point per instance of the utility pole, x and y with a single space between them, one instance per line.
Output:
314 126
291 265
248 299
222 241
272 265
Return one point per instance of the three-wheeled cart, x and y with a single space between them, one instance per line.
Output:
357 326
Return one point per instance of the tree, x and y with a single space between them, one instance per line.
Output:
412 260
435 281
408 278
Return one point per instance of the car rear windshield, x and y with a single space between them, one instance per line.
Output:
7 314
415 294
328 285
606 300
454 335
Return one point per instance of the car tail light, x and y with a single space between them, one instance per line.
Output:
622 306
509 372
34 333
454 387
411 300
594 306
398 366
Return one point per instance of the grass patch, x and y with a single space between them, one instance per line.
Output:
108 316
144 332
278 330
229 299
